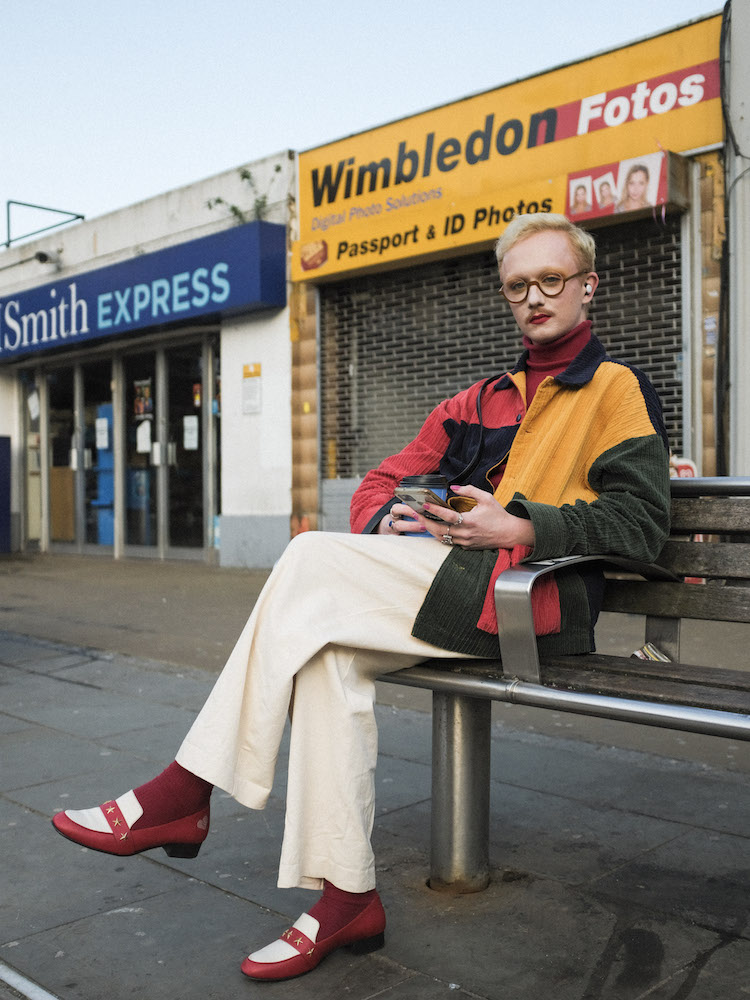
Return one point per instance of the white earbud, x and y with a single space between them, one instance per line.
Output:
587 289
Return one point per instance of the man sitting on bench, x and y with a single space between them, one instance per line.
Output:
565 454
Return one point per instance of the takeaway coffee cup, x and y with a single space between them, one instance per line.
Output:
439 486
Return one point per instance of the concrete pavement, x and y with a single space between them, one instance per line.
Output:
620 864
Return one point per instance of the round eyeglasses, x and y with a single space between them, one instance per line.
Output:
550 285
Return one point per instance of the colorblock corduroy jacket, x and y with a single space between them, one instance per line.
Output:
588 463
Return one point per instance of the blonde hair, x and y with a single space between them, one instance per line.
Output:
523 226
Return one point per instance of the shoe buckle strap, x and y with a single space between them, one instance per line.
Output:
117 822
299 941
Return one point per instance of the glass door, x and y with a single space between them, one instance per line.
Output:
185 450
141 450
33 469
98 454
62 456
214 459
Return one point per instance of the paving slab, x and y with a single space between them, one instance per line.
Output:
35 756
717 972
125 675
55 883
701 877
57 703
642 782
35 654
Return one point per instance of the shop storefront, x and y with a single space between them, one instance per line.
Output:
116 375
394 266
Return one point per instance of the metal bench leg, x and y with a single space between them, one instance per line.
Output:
460 793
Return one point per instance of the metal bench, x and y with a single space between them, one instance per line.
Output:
675 695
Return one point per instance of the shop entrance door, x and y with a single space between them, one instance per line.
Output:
63 458
141 450
81 456
33 467
98 454
185 504
166 461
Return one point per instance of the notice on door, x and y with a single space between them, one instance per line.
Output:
143 437
190 432
102 433
143 399
251 388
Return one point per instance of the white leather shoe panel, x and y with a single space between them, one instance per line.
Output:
277 951
280 950
308 925
90 819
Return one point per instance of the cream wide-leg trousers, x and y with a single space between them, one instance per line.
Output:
336 612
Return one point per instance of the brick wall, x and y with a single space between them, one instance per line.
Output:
395 344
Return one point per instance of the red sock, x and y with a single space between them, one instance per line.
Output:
171 795
336 908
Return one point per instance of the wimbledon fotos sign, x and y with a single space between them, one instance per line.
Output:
566 141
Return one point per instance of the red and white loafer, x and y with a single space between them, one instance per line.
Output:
109 828
298 951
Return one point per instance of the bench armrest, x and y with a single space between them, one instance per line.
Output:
515 621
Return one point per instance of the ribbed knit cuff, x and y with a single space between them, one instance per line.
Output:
549 526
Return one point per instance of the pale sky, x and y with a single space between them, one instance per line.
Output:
106 104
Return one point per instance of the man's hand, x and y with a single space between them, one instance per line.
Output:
486 526
387 524
395 523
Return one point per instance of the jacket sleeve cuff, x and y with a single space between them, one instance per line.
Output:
549 527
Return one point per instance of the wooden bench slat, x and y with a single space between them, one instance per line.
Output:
625 677
704 602
714 559
630 666
623 665
491 669
720 515
648 689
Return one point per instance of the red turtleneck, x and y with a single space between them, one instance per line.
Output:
553 358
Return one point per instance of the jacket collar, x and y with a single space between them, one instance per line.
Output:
578 373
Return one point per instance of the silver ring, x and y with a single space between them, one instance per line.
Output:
447 540
460 518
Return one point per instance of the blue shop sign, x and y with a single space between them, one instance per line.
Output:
239 269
